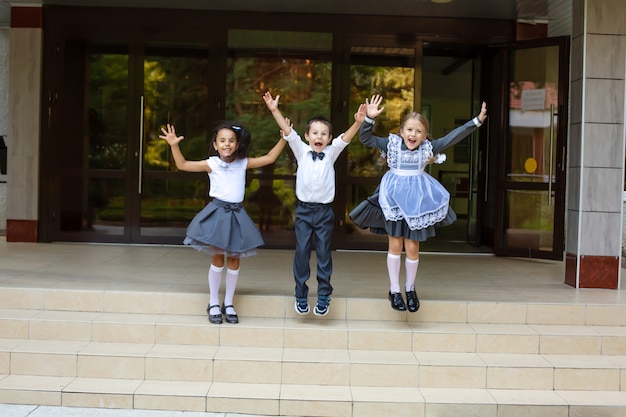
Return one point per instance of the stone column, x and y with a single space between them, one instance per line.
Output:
596 144
24 124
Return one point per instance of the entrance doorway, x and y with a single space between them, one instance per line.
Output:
107 177
530 177
450 98
116 178
439 80
118 182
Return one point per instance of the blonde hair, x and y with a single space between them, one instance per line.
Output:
412 115
417 116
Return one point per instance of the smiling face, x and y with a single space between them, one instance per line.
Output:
413 131
226 144
318 135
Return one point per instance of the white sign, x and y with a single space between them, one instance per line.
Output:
533 99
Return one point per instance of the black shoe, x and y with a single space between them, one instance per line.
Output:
397 302
413 303
230 318
214 318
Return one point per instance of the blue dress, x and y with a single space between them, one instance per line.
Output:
224 227
408 201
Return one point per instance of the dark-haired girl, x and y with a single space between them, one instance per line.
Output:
223 229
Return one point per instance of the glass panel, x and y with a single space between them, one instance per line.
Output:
475 160
533 97
175 91
107 97
529 220
271 203
99 210
106 206
303 80
391 73
168 205
447 100
397 86
91 200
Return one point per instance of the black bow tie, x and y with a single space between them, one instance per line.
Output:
316 155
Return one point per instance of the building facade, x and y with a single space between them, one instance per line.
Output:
91 85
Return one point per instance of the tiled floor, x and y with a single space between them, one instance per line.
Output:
473 277
7 410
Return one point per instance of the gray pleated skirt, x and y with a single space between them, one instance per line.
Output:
224 228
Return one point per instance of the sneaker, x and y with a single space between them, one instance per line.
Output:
302 305
322 306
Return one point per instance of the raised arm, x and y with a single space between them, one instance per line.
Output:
461 132
270 157
272 105
359 117
181 163
373 110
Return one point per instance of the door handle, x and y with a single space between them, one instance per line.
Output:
140 176
551 165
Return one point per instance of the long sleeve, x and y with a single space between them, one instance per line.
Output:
455 136
366 137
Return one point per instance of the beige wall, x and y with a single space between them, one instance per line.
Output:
4 111
24 123
4 81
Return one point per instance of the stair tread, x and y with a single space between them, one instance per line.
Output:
327 392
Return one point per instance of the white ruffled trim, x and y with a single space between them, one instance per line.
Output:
417 223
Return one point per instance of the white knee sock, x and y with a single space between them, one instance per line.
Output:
215 279
231 283
393 267
410 265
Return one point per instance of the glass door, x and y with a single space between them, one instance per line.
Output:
298 67
175 91
92 170
118 180
450 98
531 186
391 72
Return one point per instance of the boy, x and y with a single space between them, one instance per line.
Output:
315 191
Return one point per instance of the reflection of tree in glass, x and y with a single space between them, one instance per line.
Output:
107 118
396 85
303 84
175 91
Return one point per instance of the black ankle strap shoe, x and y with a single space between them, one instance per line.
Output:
397 302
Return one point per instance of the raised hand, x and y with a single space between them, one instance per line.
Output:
282 134
170 135
360 114
271 103
483 113
373 109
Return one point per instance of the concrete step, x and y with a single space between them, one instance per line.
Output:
280 306
337 367
300 366
126 349
312 332
309 400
